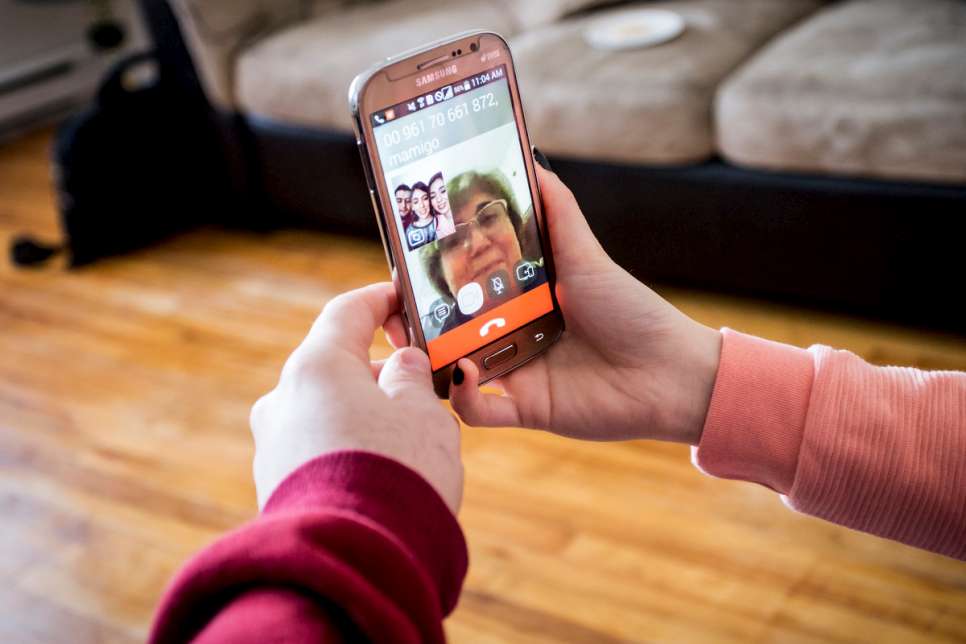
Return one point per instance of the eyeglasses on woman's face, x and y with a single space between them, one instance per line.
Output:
489 218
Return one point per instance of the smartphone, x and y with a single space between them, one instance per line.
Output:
450 171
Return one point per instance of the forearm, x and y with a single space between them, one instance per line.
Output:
877 449
349 543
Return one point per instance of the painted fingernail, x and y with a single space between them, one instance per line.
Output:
541 158
458 376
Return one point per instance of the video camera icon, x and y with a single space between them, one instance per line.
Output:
525 271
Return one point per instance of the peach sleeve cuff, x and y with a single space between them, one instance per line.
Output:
753 431
876 449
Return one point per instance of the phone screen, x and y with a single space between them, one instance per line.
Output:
453 164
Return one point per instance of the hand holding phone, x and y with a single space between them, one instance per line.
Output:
331 398
468 236
629 366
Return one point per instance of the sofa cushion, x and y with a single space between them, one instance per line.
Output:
867 87
648 105
215 30
301 75
535 13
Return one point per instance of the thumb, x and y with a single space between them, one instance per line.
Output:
407 373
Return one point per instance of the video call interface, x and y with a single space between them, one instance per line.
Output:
454 168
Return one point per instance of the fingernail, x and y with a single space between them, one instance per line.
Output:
458 376
541 158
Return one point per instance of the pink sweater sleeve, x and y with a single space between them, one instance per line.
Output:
877 449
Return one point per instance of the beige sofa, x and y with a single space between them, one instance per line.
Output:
862 87
866 87
810 150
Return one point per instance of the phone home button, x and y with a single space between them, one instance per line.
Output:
501 356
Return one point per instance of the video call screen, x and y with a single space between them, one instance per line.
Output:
453 165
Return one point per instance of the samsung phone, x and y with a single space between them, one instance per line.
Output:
441 133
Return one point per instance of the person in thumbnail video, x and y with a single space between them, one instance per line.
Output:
488 246
439 201
422 228
404 204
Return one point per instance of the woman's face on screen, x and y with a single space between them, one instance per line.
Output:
421 203
483 249
437 193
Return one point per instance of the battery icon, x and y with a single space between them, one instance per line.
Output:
466 86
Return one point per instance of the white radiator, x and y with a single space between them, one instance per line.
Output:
48 65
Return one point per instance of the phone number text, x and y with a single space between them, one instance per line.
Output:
436 120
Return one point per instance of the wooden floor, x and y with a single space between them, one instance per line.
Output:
124 447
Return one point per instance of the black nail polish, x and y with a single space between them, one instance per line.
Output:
458 376
541 158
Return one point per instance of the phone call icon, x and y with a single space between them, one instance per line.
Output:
495 322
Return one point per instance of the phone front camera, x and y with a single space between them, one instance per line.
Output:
474 46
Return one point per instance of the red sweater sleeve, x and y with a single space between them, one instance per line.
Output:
877 449
350 546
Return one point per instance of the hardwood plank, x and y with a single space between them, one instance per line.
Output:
124 447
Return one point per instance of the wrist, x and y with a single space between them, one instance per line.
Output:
696 367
